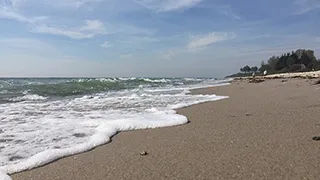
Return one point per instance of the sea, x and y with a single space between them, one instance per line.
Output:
43 119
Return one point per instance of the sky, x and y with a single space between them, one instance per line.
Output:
150 38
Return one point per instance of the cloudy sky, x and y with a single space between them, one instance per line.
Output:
206 38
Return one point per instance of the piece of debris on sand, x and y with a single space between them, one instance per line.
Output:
316 138
256 80
143 153
317 82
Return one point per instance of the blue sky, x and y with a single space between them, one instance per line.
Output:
207 38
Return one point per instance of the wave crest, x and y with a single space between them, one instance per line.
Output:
28 97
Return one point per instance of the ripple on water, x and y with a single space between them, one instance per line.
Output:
14 158
9 135
79 134
58 139
19 141
34 113
14 113
5 140
21 122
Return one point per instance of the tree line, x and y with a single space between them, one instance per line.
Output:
295 61
248 69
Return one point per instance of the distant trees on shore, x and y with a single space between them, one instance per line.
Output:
300 60
248 69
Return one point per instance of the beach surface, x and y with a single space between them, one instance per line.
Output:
263 131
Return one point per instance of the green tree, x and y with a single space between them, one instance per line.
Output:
241 70
272 62
254 69
247 69
317 65
295 57
299 53
264 67
282 63
290 61
309 59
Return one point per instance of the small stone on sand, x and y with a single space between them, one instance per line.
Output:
316 138
143 153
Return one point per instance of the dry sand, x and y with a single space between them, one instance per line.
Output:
263 131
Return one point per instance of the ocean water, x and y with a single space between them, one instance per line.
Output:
49 118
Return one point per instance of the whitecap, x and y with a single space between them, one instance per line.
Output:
28 97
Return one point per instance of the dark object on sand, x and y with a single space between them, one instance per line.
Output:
143 153
285 80
317 82
256 80
316 138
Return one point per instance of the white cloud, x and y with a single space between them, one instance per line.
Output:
305 6
225 10
91 29
18 10
16 4
77 3
168 5
8 12
94 26
232 15
201 41
106 44
74 34
146 39
139 39
57 4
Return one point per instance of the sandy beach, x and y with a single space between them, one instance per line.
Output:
263 131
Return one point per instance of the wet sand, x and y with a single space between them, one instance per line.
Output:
263 131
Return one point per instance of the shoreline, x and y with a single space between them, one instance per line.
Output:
173 146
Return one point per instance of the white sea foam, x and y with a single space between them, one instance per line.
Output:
28 97
127 79
4 175
156 80
106 79
192 79
38 132
3 91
